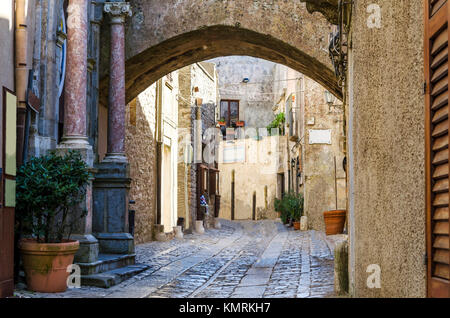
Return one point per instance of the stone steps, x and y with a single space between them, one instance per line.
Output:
110 270
113 277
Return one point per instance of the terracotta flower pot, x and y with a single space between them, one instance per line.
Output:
296 225
334 221
45 264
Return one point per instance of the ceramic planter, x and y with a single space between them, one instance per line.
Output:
296 225
334 221
45 264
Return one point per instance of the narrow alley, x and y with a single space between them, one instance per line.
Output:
244 259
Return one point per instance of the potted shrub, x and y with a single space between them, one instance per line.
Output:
222 121
49 190
294 206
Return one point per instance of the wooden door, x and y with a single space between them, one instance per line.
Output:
437 151
7 191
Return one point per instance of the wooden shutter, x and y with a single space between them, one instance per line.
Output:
437 151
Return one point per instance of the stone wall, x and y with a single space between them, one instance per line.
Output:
386 150
202 76
140 145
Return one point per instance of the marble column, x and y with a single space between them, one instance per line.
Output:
116 100
112 181
76 73
74 134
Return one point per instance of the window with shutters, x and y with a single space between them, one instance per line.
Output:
437 140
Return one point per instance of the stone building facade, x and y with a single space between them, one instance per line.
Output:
197 112
302 164
248 80
313 160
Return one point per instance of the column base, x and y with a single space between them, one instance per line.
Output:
115 243
88 251
115 157
79 143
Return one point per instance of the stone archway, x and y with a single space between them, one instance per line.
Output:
163 36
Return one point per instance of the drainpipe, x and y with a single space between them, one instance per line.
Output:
21 73
158 149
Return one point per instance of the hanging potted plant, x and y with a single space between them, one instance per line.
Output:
240 123
49 191
222 121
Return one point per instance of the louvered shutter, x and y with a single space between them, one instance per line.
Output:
437 152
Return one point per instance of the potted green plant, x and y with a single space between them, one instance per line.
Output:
277 206
292 204
222 121
49 191
290 208
278 123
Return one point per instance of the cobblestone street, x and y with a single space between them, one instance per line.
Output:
244 259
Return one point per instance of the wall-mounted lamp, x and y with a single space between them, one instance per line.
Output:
245 80
329 98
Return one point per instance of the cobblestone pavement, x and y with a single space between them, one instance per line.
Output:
248 259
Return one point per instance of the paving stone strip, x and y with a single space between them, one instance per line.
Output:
245 259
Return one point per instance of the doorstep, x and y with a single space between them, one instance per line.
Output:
113 277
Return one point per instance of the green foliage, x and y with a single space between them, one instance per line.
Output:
278 122
290 206
48 190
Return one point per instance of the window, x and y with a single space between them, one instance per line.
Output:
229 109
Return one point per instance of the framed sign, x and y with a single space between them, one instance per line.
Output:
320 136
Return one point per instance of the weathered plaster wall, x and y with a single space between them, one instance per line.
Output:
258 171
386 150
140 146
163 36
255 97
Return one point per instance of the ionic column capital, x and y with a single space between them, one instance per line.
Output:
118 11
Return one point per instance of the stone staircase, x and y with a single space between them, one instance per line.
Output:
110 270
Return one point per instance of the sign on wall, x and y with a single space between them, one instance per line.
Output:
320 136
235 153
